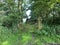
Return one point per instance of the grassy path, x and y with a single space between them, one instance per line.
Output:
24 38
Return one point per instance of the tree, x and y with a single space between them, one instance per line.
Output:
13 13
41 8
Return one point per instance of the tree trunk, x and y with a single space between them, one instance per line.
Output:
39 23
19 6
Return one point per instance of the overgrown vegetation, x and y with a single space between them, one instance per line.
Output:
41 29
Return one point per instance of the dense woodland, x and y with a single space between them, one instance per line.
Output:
29 22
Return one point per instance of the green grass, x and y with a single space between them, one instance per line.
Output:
7 38
25 37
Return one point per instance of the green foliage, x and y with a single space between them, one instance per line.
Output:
30 35
40 7
10 20
53 17
7 37
25 38
1 4
46 10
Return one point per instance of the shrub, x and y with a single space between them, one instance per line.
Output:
10 20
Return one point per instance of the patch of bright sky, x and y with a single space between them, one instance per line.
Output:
28 12
24 20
